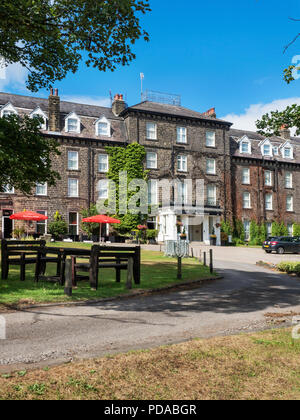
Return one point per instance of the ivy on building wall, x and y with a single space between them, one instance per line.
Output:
130 159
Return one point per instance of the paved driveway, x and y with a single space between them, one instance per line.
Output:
236 303
245 255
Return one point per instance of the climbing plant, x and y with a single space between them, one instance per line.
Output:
128 159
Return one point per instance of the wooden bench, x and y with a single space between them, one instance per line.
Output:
102 257
19 253
58 256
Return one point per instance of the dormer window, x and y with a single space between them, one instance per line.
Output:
39 113
266 148
72 123
7 110
287 151
245 145
103 127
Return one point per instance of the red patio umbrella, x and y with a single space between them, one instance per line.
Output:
101 219
29 216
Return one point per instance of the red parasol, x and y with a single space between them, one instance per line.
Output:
28 215
101 219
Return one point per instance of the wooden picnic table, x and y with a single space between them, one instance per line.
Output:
99 257
19 253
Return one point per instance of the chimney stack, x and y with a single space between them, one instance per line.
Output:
118 105
54 111
210 113
285 132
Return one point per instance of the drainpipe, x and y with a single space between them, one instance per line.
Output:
89 176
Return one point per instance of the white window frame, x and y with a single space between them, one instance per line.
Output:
268 178
288 180
100 188
76 194
211 198
290 204
72 116
264 144
103 120
246 201
245 140
290 228
269 208
182 192
210 142
41 186
182 164
290 148
151 133
42 222
212 171
246 225
77 224
10 108
8 190
105 164
246 179
181 135
151 160
269 226
276 150
152 192
40 113
73 160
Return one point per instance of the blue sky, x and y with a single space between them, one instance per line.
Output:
227 54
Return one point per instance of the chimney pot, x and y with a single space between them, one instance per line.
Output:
51 91
285 132
118 104
56 92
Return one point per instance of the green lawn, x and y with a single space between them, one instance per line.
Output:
156 271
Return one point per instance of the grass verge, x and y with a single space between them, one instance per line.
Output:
156 271
254 366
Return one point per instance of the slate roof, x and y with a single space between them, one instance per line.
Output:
88 114
173 110
256 138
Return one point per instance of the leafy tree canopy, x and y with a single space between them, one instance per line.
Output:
25 155
50 37
271 123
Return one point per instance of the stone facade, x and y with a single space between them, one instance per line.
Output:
208 141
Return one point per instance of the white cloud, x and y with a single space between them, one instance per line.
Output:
246 120
13 76
89 100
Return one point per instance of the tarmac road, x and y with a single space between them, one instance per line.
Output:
237 303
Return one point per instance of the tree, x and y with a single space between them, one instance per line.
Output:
51 37
25 155
271 123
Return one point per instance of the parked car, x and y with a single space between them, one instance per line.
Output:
282 245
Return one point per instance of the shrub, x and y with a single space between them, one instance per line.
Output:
226 228
296 229
151 234
59 227
289 267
